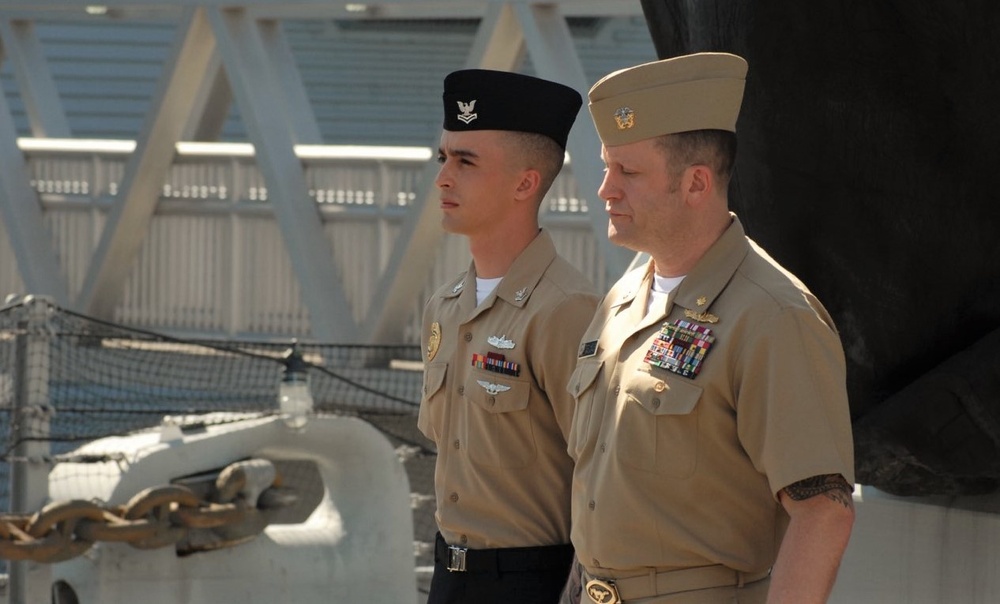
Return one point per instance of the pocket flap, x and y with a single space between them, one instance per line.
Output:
663 395
584 376
434 375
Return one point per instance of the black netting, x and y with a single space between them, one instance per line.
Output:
99 379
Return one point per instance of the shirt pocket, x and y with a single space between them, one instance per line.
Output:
498 426
582 387
430 418
658 427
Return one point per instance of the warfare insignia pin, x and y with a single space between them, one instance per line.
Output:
458 287
680 347
520 294
434 341
466 108
625 118
500 342
701 317
492 388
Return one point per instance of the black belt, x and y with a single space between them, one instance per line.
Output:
504 560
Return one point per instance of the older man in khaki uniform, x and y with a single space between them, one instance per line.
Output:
500 346
712 437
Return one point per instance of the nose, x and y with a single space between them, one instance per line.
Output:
608 191
443 180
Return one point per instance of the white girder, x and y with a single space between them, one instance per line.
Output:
128 221
22 216
273 133
41 101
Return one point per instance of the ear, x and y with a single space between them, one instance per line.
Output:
527 188
698 183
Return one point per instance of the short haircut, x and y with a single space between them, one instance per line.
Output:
713 148
537 152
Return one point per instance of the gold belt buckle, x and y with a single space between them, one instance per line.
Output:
603 591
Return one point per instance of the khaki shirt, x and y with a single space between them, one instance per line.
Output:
678 471
503 474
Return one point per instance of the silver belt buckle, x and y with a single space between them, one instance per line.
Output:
603 591
456 559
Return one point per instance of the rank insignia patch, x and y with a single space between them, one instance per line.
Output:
680 347
467 109
588 349
496 362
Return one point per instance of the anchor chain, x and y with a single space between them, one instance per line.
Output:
155 517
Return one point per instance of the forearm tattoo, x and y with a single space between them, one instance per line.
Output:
831 486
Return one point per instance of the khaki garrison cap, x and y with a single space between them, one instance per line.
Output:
702 91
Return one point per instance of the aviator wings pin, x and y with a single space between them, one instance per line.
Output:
492 388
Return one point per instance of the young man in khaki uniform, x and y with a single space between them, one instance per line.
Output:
500 346
712 435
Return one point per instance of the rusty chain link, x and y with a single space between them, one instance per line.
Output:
155 517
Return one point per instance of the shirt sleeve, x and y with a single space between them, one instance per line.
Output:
792 409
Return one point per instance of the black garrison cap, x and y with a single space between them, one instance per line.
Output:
482 99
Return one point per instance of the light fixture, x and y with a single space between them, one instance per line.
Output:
295 401
96 9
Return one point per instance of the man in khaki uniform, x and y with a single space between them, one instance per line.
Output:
712 436
500 346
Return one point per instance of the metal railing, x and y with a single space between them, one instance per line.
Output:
214 261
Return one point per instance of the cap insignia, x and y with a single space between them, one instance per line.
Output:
625 118
492 388
434 341
466 108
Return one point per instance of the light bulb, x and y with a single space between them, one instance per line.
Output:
296 401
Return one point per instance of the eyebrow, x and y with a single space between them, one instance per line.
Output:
459 153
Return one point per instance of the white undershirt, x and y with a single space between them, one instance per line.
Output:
662 286
484 287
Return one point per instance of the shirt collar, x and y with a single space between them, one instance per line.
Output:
705 281
520 280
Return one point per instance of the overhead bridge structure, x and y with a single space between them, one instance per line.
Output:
272 231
